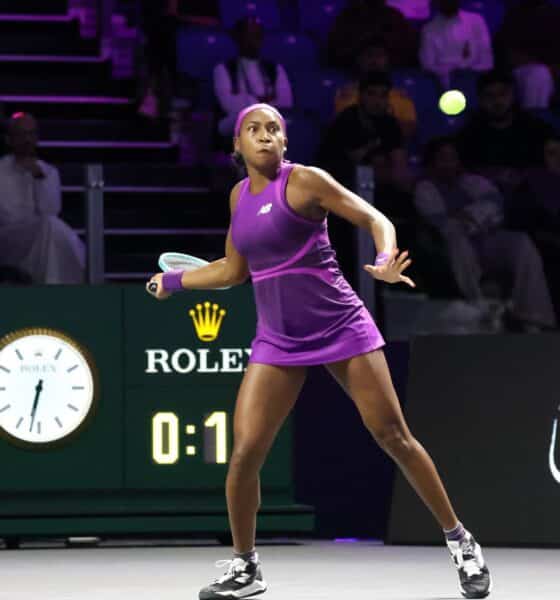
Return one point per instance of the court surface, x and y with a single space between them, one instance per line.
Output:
314 570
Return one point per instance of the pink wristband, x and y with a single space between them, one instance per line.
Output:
381 259
171 281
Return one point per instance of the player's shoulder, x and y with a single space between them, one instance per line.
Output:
308 176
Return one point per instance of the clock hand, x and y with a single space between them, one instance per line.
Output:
38 390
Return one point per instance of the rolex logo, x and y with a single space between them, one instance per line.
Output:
207 321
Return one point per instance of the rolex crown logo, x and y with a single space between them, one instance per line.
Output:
207 321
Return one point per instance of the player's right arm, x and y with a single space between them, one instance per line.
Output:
228 271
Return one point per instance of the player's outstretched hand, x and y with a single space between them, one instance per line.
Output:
392 270
155 288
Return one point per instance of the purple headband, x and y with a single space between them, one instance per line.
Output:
243 113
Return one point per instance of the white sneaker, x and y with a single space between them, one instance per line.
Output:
474 576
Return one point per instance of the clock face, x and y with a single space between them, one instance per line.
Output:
47 387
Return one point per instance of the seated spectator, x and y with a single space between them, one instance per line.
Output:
501 140
368 134
374 57
248 79
159 22
363 19
467 211
32 237
455 39
541 191
528 42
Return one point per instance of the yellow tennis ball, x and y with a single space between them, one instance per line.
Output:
452 102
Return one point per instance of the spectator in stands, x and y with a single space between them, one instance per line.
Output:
368 134
248 79
467 211
375 57
528 41
363 19
159 22
500 139
537 201
455 39
32 236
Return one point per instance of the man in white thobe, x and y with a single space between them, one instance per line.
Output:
254 80
32 236
455 39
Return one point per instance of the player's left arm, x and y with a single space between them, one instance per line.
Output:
325 192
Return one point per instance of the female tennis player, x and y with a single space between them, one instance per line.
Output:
307 315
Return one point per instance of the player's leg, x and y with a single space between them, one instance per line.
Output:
367 380
265 398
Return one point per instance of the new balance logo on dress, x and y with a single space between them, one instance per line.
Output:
265 208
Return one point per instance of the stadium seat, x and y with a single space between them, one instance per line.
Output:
465 81
433 123
267 11
198 51
315 91
293 50
304 135
492 10
317 16
423 88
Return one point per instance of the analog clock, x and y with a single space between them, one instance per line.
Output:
48 388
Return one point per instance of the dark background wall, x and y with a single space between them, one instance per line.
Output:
339 468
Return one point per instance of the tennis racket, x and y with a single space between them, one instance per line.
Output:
175 261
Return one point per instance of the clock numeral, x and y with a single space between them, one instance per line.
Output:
57 354
19 354
71 369
19 422
78 387
4 369
73 407
5 408
39 427
58 422
2 389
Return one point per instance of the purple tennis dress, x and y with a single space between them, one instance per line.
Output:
308 314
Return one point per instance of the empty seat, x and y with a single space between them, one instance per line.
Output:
466 82
293 50
315 91
433 123
423 88
491 10
199 51
317 16
304 135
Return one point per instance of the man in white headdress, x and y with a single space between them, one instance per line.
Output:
32 236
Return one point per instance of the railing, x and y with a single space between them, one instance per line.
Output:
94 191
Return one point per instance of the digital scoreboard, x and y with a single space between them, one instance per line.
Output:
116 413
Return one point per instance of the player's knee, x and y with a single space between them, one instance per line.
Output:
394 439
245 460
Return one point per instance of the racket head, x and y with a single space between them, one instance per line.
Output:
177 261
